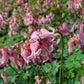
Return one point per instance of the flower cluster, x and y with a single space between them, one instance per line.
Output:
44 20
14 26
77 38
29 19
76 5
10 53
34 23
35 51
21 12
42 5
3 19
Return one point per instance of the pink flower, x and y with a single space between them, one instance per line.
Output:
43 33
4 57
82 62
41 46
9 33
74 5
18 2
70 46
4 76
14 55
24 34
34 47
74 40
58 6
30 21
48 82
63 14
44 20
82 79
26 52
64 28
38 1
26 7
13 25
3 19
38 80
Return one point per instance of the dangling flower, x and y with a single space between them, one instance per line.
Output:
4 57
34 47
64 29
82 79
38 80
26 52
41 46
74 40
82 62
70 46
4 76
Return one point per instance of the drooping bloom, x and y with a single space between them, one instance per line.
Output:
3 20
82 79
26 52
82 62
4 76
44 20
42 41
70 46
38 80
14 55
13 25
4 57
74 40
39 47
30 20
64 28
74 4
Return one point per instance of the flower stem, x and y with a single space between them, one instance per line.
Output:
60 72
38 74
17 73
55 1
83 70
46 74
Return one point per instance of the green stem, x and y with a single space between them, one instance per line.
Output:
46 74
55 3
83 70
60 72
80 81
37 74
17 73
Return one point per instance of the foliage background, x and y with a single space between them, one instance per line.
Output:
72 68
